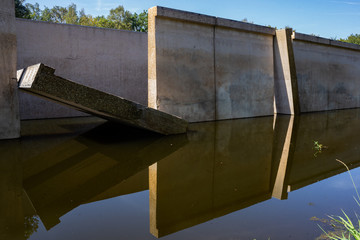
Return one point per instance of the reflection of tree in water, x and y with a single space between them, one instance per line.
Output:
31 224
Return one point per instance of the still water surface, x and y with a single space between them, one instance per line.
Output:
258 178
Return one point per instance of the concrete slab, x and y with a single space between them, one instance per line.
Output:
327 76
40 80
244 74
9 103
181 66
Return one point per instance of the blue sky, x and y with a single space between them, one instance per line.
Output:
327 18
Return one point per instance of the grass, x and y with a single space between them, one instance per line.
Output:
351 231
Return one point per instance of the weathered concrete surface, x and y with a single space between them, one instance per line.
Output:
206 68
113 61
9 105
40 80
285 81
328 73
181 65
244 74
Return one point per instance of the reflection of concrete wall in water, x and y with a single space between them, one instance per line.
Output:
336 130
92 167
211 176
231 165
113 61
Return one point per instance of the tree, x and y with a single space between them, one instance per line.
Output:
353 38
20 10
34 11
104 22
139 22
71 16
46 15
118 18
58 14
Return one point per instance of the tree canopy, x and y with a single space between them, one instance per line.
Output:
118 18
353 38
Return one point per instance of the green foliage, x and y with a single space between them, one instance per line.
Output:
31 224
353 38
20 10
351 231
118 18
318 147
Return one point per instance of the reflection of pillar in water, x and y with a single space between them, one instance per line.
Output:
11 209
285 129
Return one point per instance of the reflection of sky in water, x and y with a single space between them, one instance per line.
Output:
343 181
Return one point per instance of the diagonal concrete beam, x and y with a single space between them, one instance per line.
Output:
40 80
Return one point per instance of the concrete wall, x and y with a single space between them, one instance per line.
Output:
328 73
205 68
9 108
113 61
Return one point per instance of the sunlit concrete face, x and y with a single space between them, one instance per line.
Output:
205 68
244 74
9 105
181 62
328 74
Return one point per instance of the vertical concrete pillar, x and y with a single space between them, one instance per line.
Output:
285 85
9 106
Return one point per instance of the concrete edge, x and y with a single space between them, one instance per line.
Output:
164 12
244 26
182 15
324 41
75 25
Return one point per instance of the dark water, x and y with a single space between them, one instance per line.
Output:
257 178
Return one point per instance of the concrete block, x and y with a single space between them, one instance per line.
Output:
9 105
286 99
244 74
40 80
181 68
